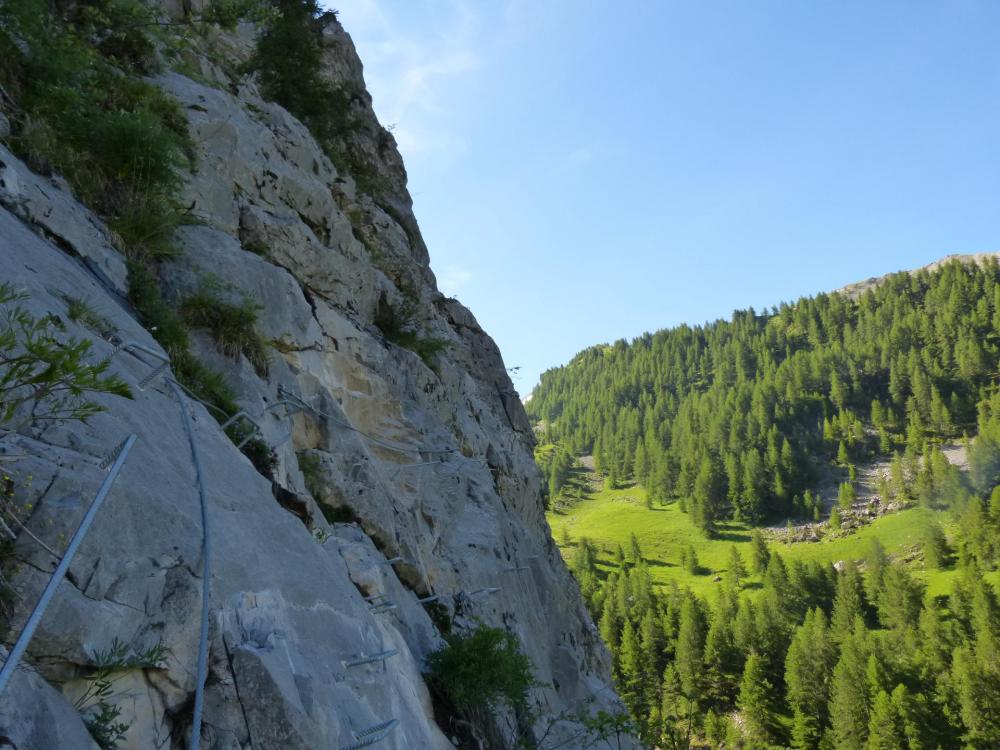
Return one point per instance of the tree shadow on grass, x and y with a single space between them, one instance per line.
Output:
731 535
659 563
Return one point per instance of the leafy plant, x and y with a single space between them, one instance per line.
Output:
110 665
104 726
84 112
72 73
288 61
309 465
483 669
228 13
41 372
615 730
397 322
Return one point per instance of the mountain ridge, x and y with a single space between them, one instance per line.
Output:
858 288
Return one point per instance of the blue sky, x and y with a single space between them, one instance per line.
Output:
587 171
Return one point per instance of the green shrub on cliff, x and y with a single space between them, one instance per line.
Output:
80 109
232 326
42 375
483 669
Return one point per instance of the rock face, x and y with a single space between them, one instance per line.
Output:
394 480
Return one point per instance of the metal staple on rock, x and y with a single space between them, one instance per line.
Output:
241 414
112 455
206 574
60 572
362 659
372 734
491 590
153 375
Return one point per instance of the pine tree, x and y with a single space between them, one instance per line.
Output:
835 518
899 601
690 649
875 561
610 624
652 646
689 560
808 673
723 662
846 496
707 496
755 704
849 700
978 690
630 660
634 549
843 457
736 569
761 555
886 730
848 603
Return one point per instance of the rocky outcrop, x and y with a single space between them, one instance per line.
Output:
394 480
858 288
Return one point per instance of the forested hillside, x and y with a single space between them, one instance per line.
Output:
806 655
875 635
740 418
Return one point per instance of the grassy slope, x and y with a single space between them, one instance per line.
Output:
609 517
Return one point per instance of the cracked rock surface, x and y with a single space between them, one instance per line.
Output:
394 480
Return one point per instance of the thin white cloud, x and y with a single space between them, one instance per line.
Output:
410 69
452 279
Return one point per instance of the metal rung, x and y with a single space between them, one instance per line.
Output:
14 656
233 419
428 599
362 659
371 735
243 415
516 568
385 607
115 452
491 590
132 347
393 561
296 406
375 597
153 375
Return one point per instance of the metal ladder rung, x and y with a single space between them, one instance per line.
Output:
371 735
364 659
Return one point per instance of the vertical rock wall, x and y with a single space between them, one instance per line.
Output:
395 480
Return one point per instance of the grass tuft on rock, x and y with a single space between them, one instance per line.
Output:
232 326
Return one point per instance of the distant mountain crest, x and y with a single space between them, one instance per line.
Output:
858 288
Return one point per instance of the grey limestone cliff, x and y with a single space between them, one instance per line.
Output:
380 456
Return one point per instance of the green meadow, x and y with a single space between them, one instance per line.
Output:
608 517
